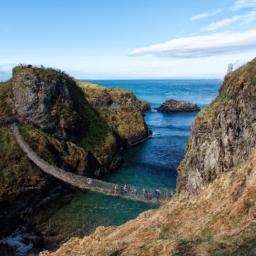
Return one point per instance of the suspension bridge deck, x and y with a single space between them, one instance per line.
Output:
85 183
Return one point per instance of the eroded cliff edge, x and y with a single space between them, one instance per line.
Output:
210 216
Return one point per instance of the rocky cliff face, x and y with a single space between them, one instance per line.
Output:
223 134
42 97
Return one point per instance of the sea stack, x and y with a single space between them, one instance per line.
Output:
172 105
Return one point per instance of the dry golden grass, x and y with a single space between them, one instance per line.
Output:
220 220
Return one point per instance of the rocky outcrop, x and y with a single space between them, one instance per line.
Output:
121 110
42 97
113 98
223 134
171 105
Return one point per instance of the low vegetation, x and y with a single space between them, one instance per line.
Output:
120 109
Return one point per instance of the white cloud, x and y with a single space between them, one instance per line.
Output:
222 23
202 46
244 19
206 15
241 4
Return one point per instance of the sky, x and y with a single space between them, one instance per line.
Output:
128 39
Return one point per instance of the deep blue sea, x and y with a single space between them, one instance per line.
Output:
150 164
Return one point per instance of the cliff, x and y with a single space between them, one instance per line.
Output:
215 211
64 129
223 134
43 98
121 110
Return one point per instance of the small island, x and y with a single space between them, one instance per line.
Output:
172 105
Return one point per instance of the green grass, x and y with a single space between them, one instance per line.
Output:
6 104
40 71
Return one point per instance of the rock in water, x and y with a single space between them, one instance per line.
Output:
42 97
177 106
223 134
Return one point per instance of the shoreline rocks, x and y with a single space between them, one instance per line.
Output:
172 105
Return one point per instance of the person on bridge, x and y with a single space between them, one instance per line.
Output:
126 188
116 189
157 193
113 188
145 193
150 195
170 193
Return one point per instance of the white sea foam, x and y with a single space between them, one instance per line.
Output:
17 241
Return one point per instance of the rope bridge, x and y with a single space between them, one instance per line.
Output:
85 183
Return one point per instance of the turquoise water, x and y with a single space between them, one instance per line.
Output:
151 164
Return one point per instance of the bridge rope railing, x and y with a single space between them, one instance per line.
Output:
86 183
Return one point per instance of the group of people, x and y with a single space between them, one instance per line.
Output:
150 195
117 189
147 194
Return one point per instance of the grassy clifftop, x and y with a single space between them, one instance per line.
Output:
6 101
120 109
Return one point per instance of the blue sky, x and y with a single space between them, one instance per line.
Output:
115 39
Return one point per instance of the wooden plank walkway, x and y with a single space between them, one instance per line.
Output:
85 183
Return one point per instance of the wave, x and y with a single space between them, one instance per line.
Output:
173 127
20 241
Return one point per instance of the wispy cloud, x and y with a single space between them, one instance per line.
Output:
202 46
242 4
205 15
244 19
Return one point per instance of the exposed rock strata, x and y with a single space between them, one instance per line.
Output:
171 105
42 97
223 134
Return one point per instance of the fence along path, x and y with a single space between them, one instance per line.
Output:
85 183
